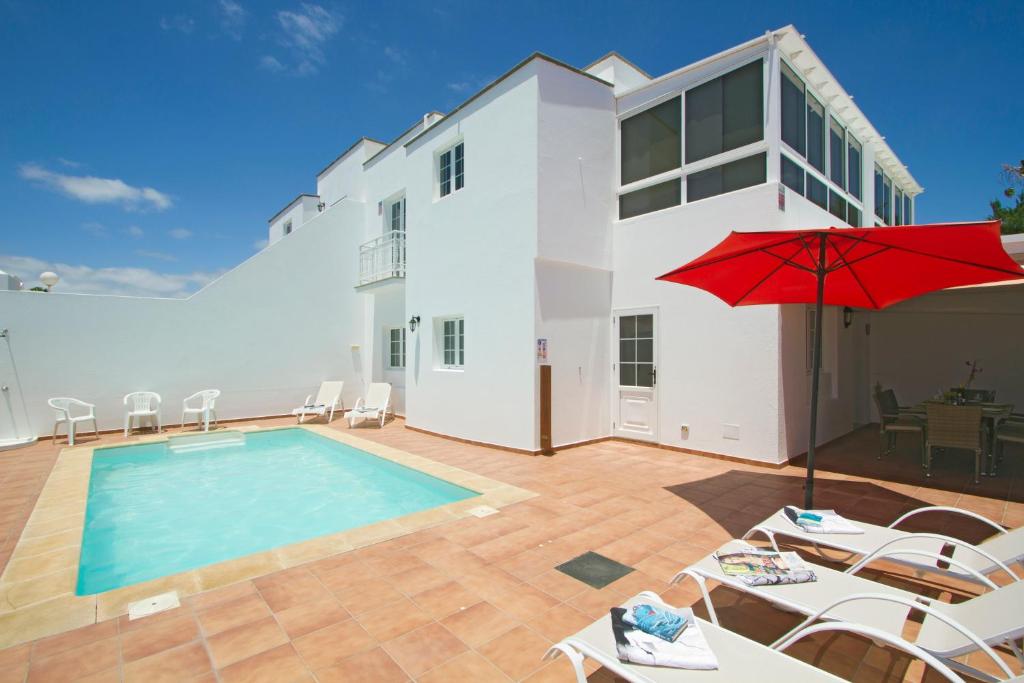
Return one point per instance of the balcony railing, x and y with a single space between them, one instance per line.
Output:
382 258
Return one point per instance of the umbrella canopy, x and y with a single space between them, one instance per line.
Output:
857 267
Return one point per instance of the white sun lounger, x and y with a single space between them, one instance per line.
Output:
922 551
328 399
947 630
739 658
374 406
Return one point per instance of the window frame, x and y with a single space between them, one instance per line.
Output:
390 350
456 180
286 227
459 343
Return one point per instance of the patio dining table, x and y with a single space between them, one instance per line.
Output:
991 415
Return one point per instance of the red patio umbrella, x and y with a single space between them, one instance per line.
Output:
857 267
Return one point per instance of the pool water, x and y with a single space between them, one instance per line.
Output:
153 512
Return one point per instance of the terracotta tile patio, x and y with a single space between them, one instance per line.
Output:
479 599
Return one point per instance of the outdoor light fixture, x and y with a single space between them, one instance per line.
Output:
49 279
413 322
847 316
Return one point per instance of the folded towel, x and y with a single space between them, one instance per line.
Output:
689 651
820 521
655 621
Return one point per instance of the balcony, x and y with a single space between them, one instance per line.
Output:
382 259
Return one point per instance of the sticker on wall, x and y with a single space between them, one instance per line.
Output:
542 350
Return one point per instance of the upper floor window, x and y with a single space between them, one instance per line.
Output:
837 152
815 134
725 113
288 227
886 199
853 164
651 141
396 347
908 218
453 349
734 175
879 203
451 170
897 206
396 215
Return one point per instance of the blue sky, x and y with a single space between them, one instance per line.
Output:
143 146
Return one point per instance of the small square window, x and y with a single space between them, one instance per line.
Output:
288 227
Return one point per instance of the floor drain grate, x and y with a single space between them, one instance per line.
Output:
157 603
595 570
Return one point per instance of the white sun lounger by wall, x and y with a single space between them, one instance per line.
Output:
923 550
64 407
328 399
204 411
139 406
739 659
947 630
374 406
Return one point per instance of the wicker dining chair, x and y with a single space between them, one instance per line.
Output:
892 420
953 427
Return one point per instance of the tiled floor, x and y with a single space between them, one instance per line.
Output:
478 599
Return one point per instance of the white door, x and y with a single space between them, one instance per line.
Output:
636 372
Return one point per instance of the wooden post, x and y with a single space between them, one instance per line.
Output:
545 410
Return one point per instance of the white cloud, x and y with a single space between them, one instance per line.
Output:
181 22
68 162
271 64
232 18
81 279
134 231
306 31
260 245
460 86
158 255
180 233
96 229
395 54
93 190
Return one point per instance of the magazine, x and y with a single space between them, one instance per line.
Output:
689 651
765 567
820 521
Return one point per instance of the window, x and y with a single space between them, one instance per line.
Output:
651 141
853 216
449 161
908 217
654 198
725 113
793 115
879 204
792 175
854 171
886 199
396 347
636 350
725 178
396 215
897 206
837 153
836 205
288 227
453 342
817 192
815 134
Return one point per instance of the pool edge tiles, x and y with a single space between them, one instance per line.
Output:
37 588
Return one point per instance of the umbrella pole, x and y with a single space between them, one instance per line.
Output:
816 372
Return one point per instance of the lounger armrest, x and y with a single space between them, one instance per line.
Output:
874 634
895 552
912 605
308 401
360 404
945 508
887 549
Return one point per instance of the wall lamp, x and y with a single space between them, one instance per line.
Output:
847 316
413 322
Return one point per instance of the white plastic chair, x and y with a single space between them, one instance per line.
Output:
63 407
141 405
374 406
202 412
328 399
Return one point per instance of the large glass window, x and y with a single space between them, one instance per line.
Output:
726 178
836 153
879 203
453 342
853 166
793 114
653 198
886 199
792 174
725 113
815 134
897 206
651 141
853 216
817 192
836 205
908 217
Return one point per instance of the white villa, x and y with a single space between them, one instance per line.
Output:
526 227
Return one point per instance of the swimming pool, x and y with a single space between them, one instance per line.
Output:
153 512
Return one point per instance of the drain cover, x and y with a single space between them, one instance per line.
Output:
595 570
483 511
157 603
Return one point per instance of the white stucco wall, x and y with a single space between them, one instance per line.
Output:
265 342
303 209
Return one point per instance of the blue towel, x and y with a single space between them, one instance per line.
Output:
655 621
